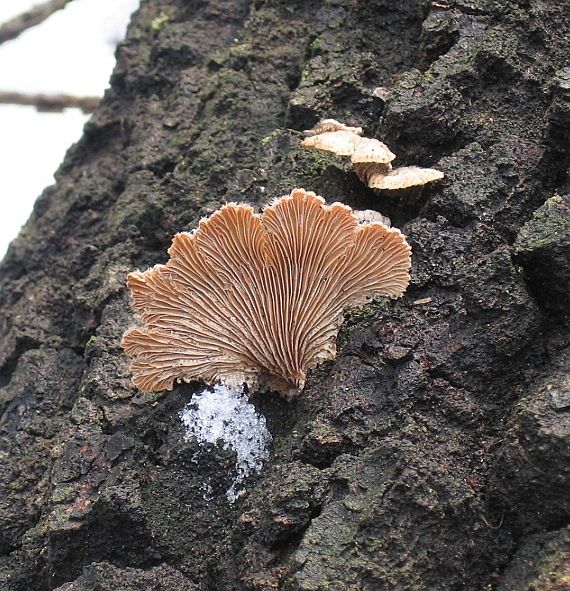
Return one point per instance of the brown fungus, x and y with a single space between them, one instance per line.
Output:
365 170
259 298
370 158
341 142
403 177
369 150
325 125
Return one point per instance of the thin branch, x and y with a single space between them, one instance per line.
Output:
50 102
32 17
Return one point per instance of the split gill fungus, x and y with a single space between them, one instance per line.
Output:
370 158
258 298
325 125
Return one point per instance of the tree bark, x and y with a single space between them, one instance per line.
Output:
432 453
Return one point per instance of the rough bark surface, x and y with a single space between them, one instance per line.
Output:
433 452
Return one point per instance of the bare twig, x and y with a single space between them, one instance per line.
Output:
50 102
32 17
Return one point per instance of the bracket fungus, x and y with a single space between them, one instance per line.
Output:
402 178
370 158
368 150
258 298
325 125
341 143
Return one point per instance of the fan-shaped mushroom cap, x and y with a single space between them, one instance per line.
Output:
341 143
259 298
331 125
371 150
403 178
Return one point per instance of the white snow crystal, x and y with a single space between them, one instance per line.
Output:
225 415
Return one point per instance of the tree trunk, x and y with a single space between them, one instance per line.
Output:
433 452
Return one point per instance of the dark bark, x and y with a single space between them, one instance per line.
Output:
432 453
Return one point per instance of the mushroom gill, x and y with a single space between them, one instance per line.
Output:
259 298
365 170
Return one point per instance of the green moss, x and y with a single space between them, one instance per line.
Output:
240 50
272 136
318 162
157 24
362 312
549 224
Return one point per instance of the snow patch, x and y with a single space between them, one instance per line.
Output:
226 416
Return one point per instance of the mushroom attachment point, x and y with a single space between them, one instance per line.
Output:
365 216
258 298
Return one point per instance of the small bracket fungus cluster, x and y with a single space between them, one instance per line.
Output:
258 298
371 159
